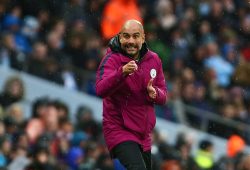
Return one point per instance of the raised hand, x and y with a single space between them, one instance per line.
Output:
151 90
129 68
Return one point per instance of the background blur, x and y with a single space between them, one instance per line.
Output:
50 117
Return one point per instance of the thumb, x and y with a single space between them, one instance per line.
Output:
150 83
132 62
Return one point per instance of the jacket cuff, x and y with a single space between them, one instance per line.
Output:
160 97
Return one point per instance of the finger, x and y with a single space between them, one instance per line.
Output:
132 62
154 94
132 67
150 83
136 67
131 70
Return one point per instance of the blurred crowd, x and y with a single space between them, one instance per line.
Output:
50 140
205 50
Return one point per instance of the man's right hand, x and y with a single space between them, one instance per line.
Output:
129 68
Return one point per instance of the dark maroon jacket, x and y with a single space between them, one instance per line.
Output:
128 112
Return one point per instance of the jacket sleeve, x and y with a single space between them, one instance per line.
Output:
108 77
160 86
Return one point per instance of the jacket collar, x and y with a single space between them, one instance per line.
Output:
115 46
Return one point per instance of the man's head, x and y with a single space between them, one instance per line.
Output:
132 37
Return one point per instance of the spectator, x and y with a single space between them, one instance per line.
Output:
30 28
19 160
157 45
75 48
228 111
74 10
223 70
204 157
36 60
34 129
14 91
104 162
62 109
41 160
241 73
235 146
165 14
15 112
115 13
85 122
5 150
183 146
10 56
244 164
225 163
12 21
171 165
52 71
39 107
76 152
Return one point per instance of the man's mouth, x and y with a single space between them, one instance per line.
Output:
132 48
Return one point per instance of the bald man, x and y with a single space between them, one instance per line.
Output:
130 80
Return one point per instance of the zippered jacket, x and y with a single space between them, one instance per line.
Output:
128 111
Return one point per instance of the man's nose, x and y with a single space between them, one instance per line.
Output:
131 40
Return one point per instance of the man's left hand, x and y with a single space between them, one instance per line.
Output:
151 90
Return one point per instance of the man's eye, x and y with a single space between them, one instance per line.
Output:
136 36
126 36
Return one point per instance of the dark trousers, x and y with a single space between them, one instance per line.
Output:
131 156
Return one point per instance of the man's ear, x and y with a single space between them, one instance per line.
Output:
143 38
119 37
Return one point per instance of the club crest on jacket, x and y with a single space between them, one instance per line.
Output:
153 73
